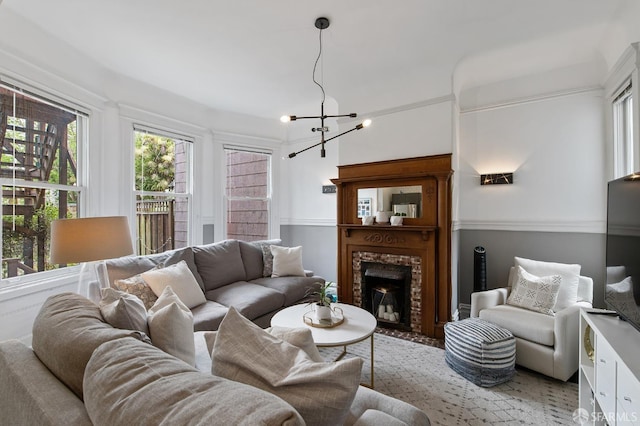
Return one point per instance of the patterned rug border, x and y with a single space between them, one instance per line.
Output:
412 337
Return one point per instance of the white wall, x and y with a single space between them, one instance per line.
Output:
554 146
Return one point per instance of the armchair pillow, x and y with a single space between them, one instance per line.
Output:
535 293
570 273
287 261
322 392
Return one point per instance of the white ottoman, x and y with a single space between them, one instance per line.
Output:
480 351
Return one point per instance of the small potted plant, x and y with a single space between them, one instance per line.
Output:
322 301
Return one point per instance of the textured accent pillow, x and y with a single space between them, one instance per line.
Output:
570 274
171 327
322 392
267 260
287 261
181 280
123 310
535 293
135 285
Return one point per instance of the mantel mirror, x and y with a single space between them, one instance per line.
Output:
401 200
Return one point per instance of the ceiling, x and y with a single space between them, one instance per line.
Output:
256 57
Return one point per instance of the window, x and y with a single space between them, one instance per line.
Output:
162 189
39 172
248 193
623 132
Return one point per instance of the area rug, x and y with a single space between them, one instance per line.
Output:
417 373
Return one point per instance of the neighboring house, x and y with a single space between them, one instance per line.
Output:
551 127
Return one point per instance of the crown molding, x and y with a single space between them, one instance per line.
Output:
596 90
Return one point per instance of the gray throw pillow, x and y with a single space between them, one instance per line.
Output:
123 310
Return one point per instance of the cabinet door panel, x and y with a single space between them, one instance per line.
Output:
628 395
605 376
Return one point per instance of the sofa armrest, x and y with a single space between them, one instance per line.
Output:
308 273
487 299
566 345
368 400
31 394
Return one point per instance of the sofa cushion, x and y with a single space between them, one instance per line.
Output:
208 316
181 280
128 383
245 353
128 266
287 261
518 321
66 331
135 285
219 264
570 274
251 300
294 289
123 310
171 326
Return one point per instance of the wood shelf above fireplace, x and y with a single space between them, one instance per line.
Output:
425 230
423 242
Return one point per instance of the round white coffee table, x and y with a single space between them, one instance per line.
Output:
358 325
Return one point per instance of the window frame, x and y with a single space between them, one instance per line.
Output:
270 189
189 189
83 127
624 149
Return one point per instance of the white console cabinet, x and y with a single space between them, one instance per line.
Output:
610 375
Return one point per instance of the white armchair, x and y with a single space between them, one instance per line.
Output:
546 344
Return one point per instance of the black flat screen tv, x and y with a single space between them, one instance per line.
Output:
622 289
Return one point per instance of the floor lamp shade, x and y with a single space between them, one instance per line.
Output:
89 239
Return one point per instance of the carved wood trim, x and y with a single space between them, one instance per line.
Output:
428 237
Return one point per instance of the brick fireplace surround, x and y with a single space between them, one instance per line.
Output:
423 243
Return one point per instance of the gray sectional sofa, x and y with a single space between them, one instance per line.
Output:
230 273
82 371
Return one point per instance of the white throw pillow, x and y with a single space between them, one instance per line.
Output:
570 274
535 293
322 392
171 327
287 261
181 280
123 310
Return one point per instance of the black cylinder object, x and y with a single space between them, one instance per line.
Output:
479 269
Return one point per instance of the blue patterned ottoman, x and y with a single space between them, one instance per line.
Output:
480 351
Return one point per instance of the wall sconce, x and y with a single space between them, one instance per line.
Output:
496 178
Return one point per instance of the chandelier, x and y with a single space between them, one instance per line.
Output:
322 24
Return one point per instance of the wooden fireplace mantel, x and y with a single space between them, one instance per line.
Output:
427 238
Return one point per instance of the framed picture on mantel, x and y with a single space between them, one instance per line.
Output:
364 207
